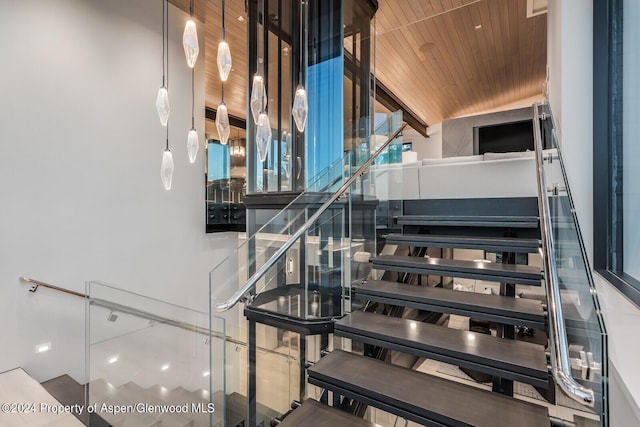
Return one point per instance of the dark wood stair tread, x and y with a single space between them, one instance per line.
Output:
314 414
496 244
510 359
423 398
495 308
511 221
497 272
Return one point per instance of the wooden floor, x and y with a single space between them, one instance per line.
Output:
17 387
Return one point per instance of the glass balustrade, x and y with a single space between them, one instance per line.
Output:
308 280
153 363
586 332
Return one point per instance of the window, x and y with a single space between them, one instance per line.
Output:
617 143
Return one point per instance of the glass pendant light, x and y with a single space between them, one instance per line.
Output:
162 104
190 39
224 66
224 60
300 105
166 168
162 99
258 97
192 145
222 123
300 108
263 135
224 53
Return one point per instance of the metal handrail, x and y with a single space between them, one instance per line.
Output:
37 283
146 315
253 280
558 342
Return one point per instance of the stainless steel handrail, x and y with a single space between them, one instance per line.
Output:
558 343
37 283
236 297
146 315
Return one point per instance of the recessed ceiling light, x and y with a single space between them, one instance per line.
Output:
112 360
206 374
478 26
43 348
241 18
165 367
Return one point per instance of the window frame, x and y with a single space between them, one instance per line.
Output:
607 142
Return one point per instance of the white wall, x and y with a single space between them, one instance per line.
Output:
427 148
81 192
570 59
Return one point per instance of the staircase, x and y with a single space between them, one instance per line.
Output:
425 398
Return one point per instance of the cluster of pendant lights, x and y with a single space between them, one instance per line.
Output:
191 51
258 93
259 98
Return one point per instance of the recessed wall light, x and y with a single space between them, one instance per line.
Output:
477 27
43 348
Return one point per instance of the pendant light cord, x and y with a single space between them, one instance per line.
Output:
165 35
193 98
223 31
301 45
264 30
163 46
223 38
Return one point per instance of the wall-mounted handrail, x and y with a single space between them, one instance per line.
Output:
558 342
146 315
251 282
35 284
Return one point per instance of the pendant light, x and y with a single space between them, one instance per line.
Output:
258 94
300 105
190 39
263 128
166 167
162 100
224 53
224 67
193 144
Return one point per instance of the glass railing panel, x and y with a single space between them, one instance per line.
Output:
586 333
153 363
306 281
234 270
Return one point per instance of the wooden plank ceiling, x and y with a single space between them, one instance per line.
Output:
442 58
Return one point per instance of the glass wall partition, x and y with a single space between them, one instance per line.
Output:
153 363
